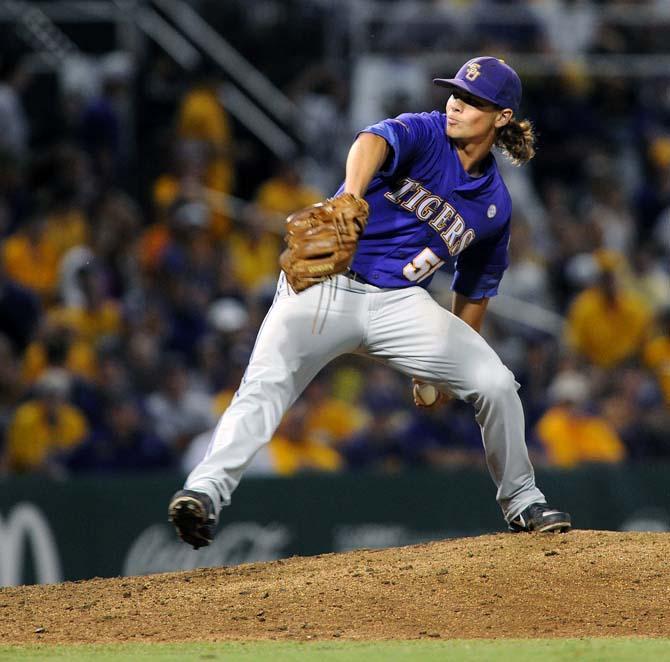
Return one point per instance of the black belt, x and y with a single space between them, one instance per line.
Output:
351 274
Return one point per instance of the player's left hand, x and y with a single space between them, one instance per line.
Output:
321 240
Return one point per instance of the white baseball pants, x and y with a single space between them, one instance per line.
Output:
404 328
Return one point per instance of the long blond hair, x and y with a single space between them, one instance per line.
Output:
517 141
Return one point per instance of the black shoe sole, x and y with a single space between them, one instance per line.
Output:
554 527
562 525
189 517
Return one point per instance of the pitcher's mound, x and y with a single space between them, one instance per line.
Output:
584 583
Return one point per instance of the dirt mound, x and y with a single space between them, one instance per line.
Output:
585 583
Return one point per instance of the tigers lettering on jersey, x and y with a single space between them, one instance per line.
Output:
436 211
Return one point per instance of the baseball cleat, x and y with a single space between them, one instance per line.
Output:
192 513
540 518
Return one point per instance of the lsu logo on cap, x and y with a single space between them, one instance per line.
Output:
473 71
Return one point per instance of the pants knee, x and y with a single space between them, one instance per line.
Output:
496 382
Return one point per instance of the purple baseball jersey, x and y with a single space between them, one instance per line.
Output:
425 209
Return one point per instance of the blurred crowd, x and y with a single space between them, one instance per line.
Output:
132 285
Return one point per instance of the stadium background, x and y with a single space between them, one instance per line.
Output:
149 152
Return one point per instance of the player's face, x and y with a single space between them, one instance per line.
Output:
471 118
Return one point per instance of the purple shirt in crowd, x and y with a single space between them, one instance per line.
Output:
425 208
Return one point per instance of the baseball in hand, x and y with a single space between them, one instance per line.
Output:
425 394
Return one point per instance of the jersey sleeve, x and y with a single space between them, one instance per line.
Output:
480 267
408 135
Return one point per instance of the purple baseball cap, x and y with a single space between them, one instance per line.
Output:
488 78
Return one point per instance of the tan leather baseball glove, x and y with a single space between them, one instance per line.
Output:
321 239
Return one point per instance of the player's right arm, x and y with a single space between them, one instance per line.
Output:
383 147
471 311
366 157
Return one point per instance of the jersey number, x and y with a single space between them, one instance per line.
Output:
422 266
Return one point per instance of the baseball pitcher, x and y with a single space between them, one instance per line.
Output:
418 189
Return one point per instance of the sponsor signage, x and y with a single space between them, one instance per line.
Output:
24 531
52 531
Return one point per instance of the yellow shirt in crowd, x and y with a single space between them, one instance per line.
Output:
278 196
89 325
570 439
334 421
604 334
657 359
33 265
66 229
201 117
81 360
254 261
31 437
291 457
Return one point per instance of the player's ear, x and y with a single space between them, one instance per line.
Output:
504 117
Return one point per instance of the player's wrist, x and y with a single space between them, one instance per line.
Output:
356 191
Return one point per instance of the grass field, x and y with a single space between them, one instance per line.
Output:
517 650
